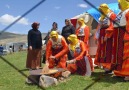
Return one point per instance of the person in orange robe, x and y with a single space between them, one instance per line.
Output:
56 51
105 38
124 72
83 33
79 64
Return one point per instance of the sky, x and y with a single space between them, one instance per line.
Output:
48 12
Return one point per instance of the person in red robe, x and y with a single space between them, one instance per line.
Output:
80 63
124 26
83 33
104 35
56 51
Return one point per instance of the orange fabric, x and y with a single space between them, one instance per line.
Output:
87 33
65 49
106 65
126 50
72 68
125 66
126 36
61 63
109 30
79 56
61 56
125 69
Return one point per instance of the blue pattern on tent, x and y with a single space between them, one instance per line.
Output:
94 12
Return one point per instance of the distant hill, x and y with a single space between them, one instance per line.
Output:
7 37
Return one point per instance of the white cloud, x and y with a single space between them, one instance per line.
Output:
57 7
7 6
82 5
8 19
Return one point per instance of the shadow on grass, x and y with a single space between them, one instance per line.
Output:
101 77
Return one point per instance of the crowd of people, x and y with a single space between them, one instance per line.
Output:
69 49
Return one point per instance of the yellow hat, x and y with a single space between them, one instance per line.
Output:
81 20
54 34
73 38
124 4
105 10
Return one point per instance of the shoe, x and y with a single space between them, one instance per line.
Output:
126 78
108 72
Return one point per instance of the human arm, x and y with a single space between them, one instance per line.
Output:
48 49
83 51
29 40
64 50
109 30
126 36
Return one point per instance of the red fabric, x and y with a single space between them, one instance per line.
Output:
109 30
118 48
104 52
79 67
74 22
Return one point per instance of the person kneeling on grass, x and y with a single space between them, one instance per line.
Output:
56 51
80 63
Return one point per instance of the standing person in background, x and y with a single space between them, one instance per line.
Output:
67 30
105 38
34 47
83 32
54 28
124 26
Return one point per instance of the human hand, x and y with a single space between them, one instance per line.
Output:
30 47
105 39
52 57
47 63
71 61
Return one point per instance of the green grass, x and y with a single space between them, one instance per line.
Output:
11 79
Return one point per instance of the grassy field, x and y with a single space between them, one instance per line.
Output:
13 71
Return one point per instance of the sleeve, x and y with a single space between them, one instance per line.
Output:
29 38
65 49
109 30
97 32
62 31
77 31
41 38
48 49
126 36
87 33
82 45
72 30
